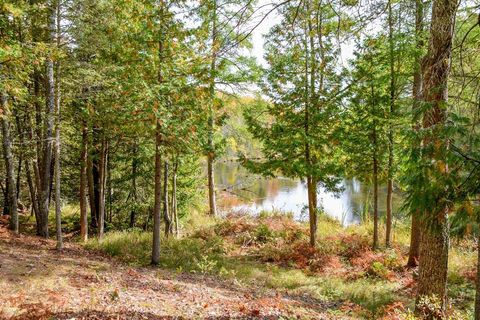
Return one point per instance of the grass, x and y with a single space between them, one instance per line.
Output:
272 251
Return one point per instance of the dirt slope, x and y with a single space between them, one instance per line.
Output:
37 282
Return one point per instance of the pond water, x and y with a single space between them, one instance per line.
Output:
241 191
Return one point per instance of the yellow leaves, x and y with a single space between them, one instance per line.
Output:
15 11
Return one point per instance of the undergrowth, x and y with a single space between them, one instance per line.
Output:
272 251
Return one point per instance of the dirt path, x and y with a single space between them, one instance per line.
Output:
37 282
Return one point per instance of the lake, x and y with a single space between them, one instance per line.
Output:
241 191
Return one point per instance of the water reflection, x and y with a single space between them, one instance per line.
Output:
242 191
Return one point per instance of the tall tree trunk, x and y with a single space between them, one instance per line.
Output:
133 211
91 190
309 94
101 187
433 262
158 158
158 198
375 197
18 182
413 254
312 209
30 180
166 214
58 208
9 166
388 234
211 115
46 171
83 185
477 283
375 172
174 197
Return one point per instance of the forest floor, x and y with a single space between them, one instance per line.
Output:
38 282
238 267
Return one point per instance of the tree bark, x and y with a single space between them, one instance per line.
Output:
413 254
166 214
174 197
433 262
211 115
388 234
133 212
158 157
477 283
312 210
375 171
58 208
83 185
9 165
414 251
46 170
158 198
91 186
101 187
375 197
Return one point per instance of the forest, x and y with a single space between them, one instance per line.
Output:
240 159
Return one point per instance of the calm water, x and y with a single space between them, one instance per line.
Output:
244 192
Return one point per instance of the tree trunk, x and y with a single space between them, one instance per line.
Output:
433 262
312 210
211 115
166 214
158 198
158 158
174 197
375 171
414 251
83 185
477 283
46 170
133 212
58 208
91 187
19 174
211 185
31 180
9 166
388 234
101 187
375 199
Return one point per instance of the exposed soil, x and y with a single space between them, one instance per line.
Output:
38 282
